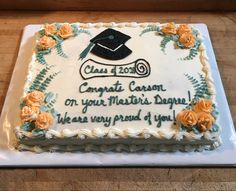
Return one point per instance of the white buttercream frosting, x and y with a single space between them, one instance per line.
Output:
172 76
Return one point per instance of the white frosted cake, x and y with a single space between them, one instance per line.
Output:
118 87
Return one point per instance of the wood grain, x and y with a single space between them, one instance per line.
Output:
120 5
118 179
222 28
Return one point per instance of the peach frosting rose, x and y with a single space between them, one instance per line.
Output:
187 39
50 29
44 120
187 118
204 121
203 105
34 98
29 114
65 31
183 28
169 28
46 42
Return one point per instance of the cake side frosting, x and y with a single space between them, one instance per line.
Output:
177 46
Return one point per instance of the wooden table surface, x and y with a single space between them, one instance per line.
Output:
222 28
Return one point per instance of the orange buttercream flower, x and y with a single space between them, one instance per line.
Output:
44 120
187 39
29 114
187 118
169 28
50 29
203 105
34 98
65 31
183 28
204 121
46 42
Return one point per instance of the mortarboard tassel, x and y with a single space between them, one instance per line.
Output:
84 53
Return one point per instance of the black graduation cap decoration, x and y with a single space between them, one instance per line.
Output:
109 44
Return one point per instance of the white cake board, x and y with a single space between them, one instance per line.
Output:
225 155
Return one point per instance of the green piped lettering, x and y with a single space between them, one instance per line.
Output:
162 118
65 119
116 87
131 100
145 88
92 102
125 118
171 101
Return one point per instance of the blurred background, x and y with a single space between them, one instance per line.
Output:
120 5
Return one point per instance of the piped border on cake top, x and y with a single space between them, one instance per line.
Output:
34 131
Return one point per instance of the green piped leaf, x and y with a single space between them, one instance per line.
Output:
192 54
214 128
28 126
50 105
166 39
60 51
22 104
78 31
40 58
43 108
53 112
58 25
40 55
43 86
48 97
151 28
200 86
215 113
39 79
57 38
195 130
195 32
38 132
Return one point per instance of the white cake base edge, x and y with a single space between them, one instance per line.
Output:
119 148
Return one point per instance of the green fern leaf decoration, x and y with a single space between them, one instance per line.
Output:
165 41
50 105
200 86
39 78
204 87
192 54
40 58
58 25
83 31
60 50
57 38
27 126
43 86
151 28
51 102
40 55
78 31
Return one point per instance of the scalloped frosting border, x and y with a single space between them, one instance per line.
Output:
114 24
